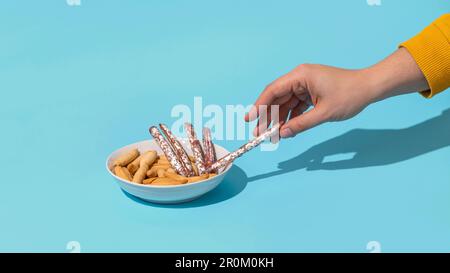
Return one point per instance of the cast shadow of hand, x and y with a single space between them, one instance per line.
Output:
370 148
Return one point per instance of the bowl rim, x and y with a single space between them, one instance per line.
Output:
108 159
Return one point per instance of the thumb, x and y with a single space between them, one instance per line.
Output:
303 122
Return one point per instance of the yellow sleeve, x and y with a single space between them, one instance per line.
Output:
431 51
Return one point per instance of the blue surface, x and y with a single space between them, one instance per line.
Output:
77 82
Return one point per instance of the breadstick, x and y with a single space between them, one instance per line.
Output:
178 148
167 150
208 146
162 165
161 173
162 161
140 175
195 170
196 148
224 161
154 169
123 173
126 158
166 182
175 176
147 160
148 180
197 178
152 172
134 165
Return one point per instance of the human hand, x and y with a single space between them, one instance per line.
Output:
335 94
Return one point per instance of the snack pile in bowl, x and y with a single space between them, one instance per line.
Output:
175 166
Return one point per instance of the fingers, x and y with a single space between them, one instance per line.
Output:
303 122
286 108
297 111
265 117
278 89
265 114
277 114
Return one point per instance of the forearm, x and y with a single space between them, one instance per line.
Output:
421 64
396 75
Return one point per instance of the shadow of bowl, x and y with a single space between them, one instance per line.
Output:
234 182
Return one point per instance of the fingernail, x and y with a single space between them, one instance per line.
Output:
286 132
251 115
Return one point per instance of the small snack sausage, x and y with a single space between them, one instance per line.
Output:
126 158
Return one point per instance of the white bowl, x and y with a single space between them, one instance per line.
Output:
166 194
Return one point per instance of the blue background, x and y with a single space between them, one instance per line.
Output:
78 82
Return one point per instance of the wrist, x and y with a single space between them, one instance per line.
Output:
398 74
376 84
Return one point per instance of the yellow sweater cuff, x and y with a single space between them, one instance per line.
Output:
431 51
